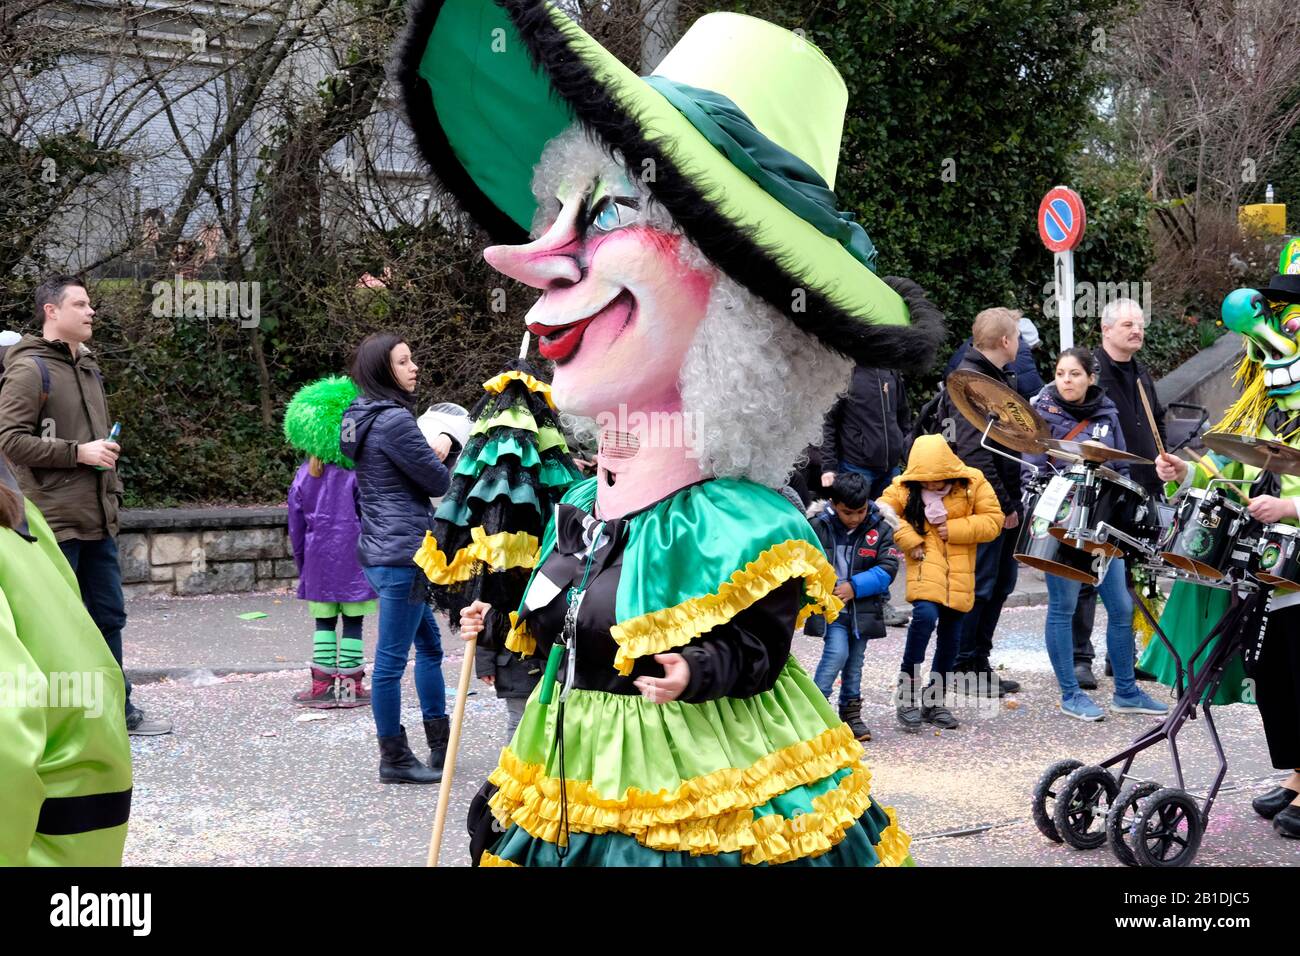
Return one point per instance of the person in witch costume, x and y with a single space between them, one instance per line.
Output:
703 300
512 472
323 533
1269 407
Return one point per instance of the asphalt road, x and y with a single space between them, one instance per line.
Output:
248 778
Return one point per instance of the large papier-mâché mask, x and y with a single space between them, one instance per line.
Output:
1272 332
619 306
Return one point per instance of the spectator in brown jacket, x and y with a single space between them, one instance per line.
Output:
54 425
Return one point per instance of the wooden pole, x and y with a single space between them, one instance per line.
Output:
453 744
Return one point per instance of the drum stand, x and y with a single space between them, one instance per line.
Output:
1146 823
1195 685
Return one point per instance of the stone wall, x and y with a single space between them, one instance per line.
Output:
1206 377
205 550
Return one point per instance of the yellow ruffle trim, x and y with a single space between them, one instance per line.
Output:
781 839
771 839
894 845
497 384
658 631
519 640
711 813
500 552
489 859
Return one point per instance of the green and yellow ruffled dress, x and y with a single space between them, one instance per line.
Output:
749 766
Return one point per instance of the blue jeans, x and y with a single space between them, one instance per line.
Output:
925 616
401 621
878 480
841 652
100 578
1062 596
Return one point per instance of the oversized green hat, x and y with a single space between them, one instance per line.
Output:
314 415
736 134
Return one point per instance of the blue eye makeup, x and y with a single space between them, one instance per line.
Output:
613 212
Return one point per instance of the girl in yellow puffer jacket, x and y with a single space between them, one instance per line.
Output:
940 510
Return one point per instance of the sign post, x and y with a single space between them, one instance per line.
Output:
1061 224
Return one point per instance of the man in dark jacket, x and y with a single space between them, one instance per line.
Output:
1123 331
995 338
1028 382
866 434
54 426
865 430
859 543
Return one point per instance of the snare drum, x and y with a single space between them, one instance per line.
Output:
1037 547
1120 503
1210 535
1279 556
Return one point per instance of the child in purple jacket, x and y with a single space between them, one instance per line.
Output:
323 531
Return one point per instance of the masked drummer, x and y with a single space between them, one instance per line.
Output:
1193 610
1076 409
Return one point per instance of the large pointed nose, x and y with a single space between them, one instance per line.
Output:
548 261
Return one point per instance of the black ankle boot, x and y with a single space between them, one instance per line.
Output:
436 732
851 714
933 710
907 706
398 765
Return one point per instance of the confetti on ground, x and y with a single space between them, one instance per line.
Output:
219 792
252 615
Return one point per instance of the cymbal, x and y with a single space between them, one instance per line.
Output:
1090 451
980 398
1262 453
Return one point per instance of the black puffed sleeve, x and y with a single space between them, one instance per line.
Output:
744 656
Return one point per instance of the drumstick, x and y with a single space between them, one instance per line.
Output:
1151 418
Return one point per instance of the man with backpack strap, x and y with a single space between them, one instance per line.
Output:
995 337
54 425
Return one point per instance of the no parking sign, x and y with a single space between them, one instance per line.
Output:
1061 224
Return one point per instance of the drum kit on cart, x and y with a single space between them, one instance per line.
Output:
1080 515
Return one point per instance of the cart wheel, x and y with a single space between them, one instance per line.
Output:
1045 796
1167 829
1081 805
1119 820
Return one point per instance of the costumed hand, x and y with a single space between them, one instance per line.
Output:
441 446
1012 520
471 620
828 478
1170 467
661 690
917 553
943 531
844 591
489 679
1270 510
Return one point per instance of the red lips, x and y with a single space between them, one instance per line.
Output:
559 343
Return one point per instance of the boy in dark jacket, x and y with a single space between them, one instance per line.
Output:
860 546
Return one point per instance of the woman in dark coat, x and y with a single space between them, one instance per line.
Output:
397 473
1075 408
